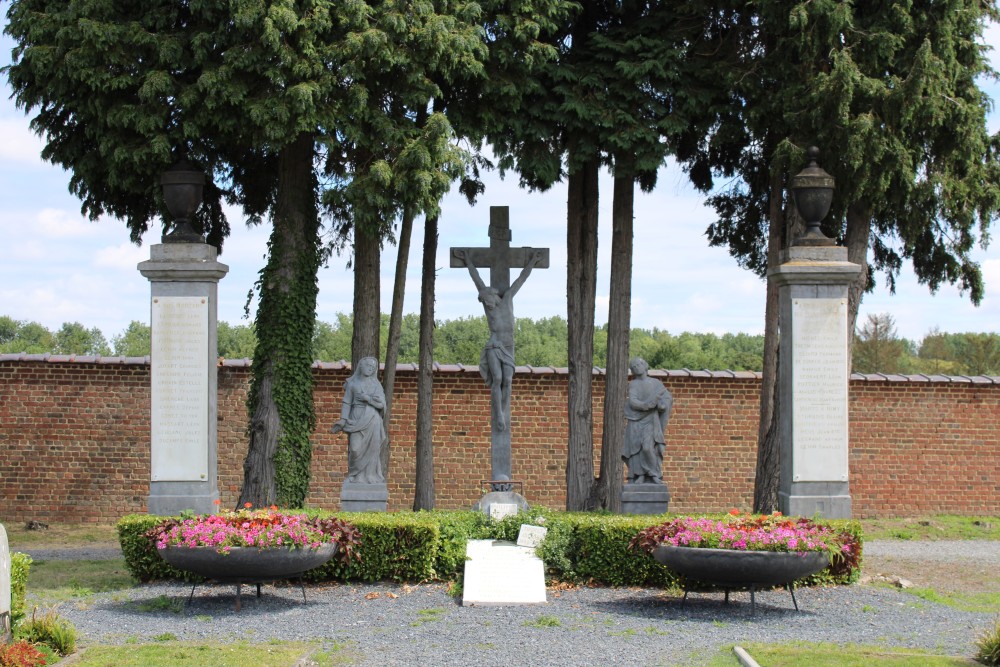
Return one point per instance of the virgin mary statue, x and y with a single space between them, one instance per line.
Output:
362 420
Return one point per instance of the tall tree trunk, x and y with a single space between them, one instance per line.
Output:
765 496
277 466
367 291
857 237
581 294
396 324
423 497
607 492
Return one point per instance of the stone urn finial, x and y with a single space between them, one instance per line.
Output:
182 190
812 190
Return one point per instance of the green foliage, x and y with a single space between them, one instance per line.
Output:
988 645
827 654
141 558
236 341
20 564
21 336
74 338
135 341
877 348
282 361
51 629
397 547
891 95
425 546
542 342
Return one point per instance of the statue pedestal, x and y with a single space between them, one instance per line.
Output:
498 504
645 498
363 497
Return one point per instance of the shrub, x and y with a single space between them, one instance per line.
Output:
49 628
423 546
988 645
20 654
19 566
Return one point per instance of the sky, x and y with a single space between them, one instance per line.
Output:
56 266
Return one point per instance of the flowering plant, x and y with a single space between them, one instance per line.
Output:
260 528
748 532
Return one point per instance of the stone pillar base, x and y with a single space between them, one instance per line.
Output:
645 498
826 507
172 498
363 497
504 500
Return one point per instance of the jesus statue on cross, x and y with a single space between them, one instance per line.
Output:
496 362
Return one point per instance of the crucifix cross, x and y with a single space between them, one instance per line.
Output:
497 362
500 258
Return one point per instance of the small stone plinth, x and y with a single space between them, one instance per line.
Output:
645 498
358 497
504 500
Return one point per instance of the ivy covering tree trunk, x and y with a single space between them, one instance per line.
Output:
277 466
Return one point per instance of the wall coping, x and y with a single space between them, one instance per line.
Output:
22 357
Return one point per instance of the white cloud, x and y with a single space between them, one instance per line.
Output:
123 257
57 223
20 146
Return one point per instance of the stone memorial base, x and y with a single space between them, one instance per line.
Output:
499 504
645 498
172 498
502 573
829 500
358 497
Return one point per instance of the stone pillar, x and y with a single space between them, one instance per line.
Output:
184 280
813 379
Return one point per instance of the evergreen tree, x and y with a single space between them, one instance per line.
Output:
889 93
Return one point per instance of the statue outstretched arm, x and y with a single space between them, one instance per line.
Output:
533 261
461 256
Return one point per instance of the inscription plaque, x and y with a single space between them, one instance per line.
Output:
819 390
179 433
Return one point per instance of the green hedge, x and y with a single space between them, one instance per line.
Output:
19 566
425 546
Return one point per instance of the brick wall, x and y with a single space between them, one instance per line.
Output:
74 439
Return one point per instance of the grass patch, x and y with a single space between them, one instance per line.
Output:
428 616
794 654
977 602
53 581
160 603
939 527
185 654
543 622
60 536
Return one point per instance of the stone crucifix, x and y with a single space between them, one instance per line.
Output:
496 363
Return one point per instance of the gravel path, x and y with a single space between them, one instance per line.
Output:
396 624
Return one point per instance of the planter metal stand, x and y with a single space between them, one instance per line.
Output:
248 565
732 569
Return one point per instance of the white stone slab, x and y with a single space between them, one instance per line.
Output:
502 573
531 536
501 510
5 590
820 374
179 389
